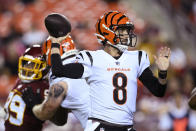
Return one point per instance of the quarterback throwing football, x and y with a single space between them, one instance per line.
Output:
112 73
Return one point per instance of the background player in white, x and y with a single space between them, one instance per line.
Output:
68 93
77 97
112 72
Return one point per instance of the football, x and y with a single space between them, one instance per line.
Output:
57 25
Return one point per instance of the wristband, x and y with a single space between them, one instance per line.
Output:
162 74
55 45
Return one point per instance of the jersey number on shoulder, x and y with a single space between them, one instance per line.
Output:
15 107
120 92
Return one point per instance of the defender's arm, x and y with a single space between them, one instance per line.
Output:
47 109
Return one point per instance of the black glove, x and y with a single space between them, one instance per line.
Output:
30 98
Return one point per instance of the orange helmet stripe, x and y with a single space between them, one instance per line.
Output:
44 47
106 16
109 18
106 26
123 16
117 14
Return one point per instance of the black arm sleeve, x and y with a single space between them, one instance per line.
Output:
152 83
72 70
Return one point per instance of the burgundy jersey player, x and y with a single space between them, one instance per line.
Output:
19 117
32 69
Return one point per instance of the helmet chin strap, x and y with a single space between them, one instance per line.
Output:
122 48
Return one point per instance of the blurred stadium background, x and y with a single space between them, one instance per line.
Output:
158 23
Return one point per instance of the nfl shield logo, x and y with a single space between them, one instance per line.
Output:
117 63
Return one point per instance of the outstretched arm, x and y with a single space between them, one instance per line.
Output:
152 83
47 109
157 86
162 62
50 108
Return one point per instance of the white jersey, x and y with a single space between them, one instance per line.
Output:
77 98
113 83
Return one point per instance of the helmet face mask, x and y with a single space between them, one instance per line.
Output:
32 66
126 36
115 29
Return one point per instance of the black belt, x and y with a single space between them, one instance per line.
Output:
111 125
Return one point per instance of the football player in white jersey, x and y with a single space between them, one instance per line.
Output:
77 97
63 92
112 73
76 101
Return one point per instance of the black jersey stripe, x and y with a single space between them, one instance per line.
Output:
81 55
90 57
140 57
69 57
